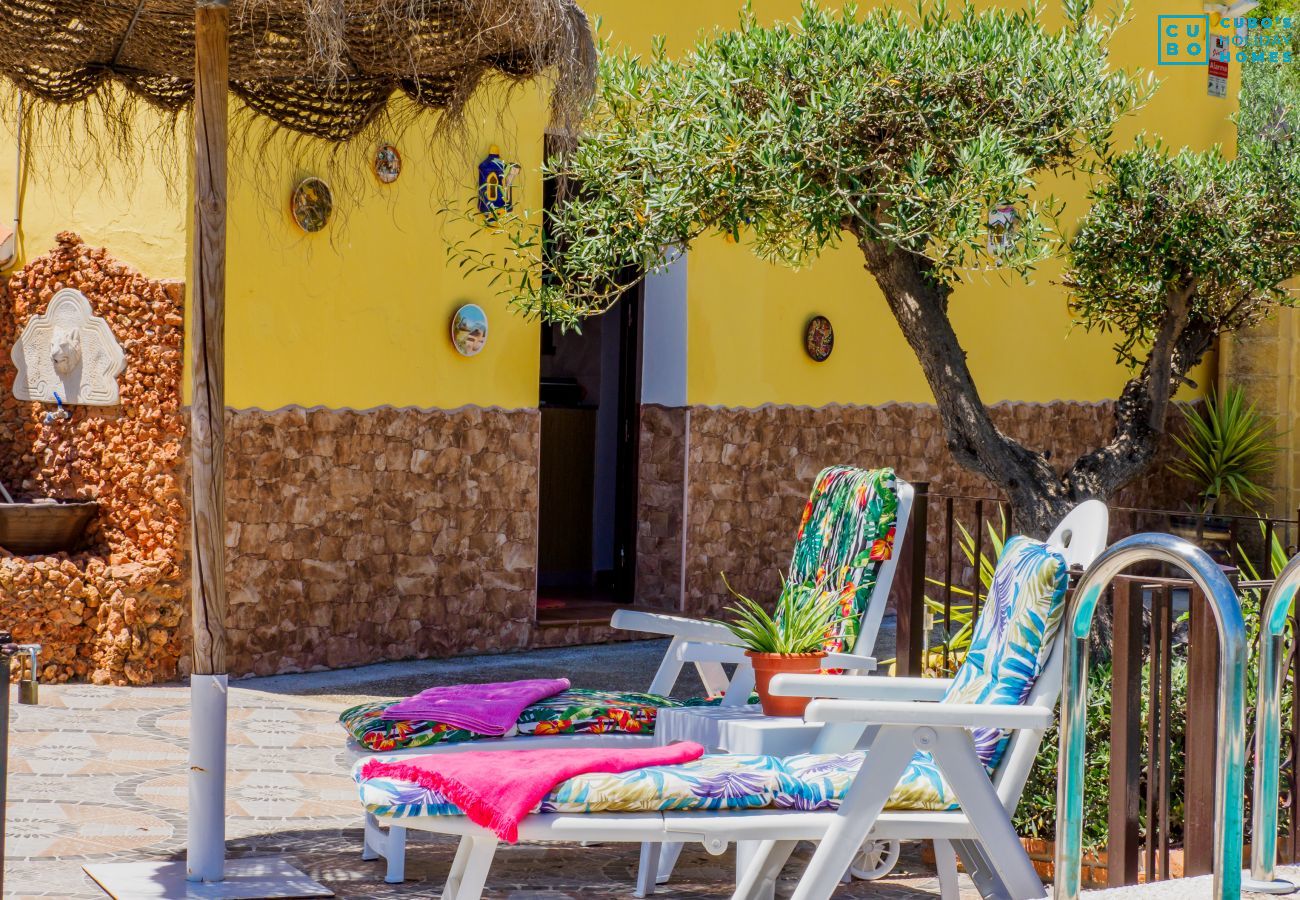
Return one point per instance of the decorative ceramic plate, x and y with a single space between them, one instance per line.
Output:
388 163
819 338
469 329
311 204
1004 224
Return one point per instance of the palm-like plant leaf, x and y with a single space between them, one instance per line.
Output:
805 613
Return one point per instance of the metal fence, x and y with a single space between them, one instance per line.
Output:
1162 641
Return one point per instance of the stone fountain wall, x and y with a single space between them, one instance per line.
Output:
115 612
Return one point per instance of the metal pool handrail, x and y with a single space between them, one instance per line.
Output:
1268 733
1230 784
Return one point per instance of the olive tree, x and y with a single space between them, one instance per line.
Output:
899 132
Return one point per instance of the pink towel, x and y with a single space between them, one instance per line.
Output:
497 788
491 708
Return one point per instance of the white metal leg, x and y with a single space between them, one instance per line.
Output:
757 881
713 677
669 668
395 854
458 864
369 825
945 858
746 856
474 872
647 869
669 853
390 843
954 753
853 821
741 686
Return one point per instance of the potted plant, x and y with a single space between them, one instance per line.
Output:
791 639
1227 449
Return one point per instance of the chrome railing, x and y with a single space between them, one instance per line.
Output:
1231 725
1262 877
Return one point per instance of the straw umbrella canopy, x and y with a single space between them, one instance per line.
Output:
322 68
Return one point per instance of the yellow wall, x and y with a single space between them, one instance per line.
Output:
358 315
746 318
135 209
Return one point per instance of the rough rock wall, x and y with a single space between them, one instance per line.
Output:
748 472
661 480
356 537
115 612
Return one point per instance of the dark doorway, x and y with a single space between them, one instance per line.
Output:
590 398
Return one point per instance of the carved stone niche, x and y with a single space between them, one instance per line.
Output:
70 351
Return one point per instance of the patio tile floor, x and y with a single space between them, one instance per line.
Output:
97 774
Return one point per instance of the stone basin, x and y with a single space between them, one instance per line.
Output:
44 526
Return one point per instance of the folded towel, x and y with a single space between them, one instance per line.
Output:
491 708
496 789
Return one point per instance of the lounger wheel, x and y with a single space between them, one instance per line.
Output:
875 859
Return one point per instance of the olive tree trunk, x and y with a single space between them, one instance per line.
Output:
1039 495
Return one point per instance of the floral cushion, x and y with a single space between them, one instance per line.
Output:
845 535
1012 641
808 781
574 711
713 782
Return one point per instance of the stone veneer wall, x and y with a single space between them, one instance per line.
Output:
1265 362
356 537
746 474
115 612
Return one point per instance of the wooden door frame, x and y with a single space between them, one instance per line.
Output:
628 451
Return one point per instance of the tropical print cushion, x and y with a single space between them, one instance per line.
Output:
575 711
808 781
846 533
712 782
1012 640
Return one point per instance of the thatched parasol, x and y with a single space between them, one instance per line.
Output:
323 68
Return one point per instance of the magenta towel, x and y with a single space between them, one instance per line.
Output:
491 708
497 788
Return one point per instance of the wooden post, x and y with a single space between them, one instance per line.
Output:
1201 750
206 852
1125 736
909 587
208 309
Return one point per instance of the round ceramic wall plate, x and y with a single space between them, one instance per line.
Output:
819 338
469 330
311 204
388 163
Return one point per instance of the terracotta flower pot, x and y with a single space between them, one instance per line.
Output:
766 665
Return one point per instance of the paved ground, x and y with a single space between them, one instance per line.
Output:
98 775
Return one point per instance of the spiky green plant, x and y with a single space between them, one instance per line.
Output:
804 613
1228 448
962 614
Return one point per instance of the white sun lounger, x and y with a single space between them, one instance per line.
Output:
693 641
905 718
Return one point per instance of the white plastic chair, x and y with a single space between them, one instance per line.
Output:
1080 538
706 644
906 716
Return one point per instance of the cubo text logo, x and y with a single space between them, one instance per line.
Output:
1182 40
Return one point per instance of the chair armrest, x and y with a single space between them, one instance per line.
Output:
850 661
860 687
962 715
673 626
